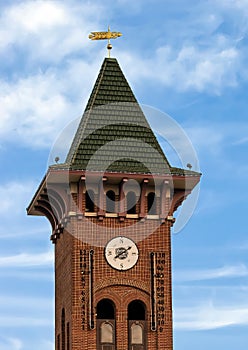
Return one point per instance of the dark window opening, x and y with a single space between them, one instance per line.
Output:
151 204
68 335
63 329
136 310
105 309
137 325
110 202
131 203
89 201
105 325
58 342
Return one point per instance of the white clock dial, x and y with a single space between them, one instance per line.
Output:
121 253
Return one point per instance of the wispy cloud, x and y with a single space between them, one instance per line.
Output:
14 343
40 102
45 345
21 322
15 196
211 305
34 109
37 103
29 275
208 316
242 245
203 58
10 343
189 67
27 260
25 303
243 140
27 230
232 271
240 6
47 30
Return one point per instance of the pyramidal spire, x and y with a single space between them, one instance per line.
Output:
114 134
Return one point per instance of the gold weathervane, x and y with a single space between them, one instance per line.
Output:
105 36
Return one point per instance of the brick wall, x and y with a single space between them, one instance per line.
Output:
73 281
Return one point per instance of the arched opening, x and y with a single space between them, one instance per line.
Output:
105 325
89 201
105 309
151 204
136 310
63 329
131 202
137 325
110 202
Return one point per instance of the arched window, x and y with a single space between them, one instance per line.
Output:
137 325
131 202
105 309
110 202
105 325
136 310
63 329
151 204
89 201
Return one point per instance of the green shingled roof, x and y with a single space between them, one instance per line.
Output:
113 134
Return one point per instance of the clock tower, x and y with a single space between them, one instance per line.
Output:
111 205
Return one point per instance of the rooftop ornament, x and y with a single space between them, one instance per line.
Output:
105 36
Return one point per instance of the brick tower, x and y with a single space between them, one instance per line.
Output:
111 208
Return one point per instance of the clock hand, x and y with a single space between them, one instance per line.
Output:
124 251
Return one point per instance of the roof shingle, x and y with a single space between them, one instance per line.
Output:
113 134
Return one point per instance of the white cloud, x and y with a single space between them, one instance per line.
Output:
210 306
10 343
27 260
205 53
40 101
30 229
46 345
46 276
218 140
231 271
207 138
15 196
242 246
241 141
13 343
190 67
30 303
37 100
49 30
33 110
239 5
208 316
15 322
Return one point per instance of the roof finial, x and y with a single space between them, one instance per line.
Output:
105 35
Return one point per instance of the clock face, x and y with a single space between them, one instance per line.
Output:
121 253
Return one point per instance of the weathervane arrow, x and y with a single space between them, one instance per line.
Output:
105 36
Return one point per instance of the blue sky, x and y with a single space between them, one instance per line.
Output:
185 58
